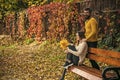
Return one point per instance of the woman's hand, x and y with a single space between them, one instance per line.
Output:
66 51
84 39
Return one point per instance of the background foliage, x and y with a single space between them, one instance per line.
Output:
48 19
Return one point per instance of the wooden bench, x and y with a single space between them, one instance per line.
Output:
112 72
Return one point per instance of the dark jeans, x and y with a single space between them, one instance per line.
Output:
74 59
93 63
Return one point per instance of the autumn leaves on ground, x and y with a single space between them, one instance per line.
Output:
34 61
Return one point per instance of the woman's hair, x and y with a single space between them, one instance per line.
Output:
81 34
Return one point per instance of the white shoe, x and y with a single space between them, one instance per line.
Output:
66 67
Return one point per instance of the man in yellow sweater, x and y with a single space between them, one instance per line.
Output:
91 32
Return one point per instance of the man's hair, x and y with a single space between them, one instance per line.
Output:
81 34
88 9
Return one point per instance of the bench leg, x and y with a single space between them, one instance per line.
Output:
63 74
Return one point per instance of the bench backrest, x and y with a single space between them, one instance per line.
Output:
104 56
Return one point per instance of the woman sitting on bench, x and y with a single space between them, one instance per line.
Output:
75 54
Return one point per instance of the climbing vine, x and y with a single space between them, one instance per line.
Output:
109 29
50 21
60 20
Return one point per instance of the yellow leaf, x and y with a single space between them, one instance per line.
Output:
64 43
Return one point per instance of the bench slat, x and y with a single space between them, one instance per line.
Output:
86 72
99 55
105 52
110 61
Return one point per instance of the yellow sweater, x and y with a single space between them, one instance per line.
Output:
91 27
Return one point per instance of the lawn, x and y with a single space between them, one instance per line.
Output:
36 61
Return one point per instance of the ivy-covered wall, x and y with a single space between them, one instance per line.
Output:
61 20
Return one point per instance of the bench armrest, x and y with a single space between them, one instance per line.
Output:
106 75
